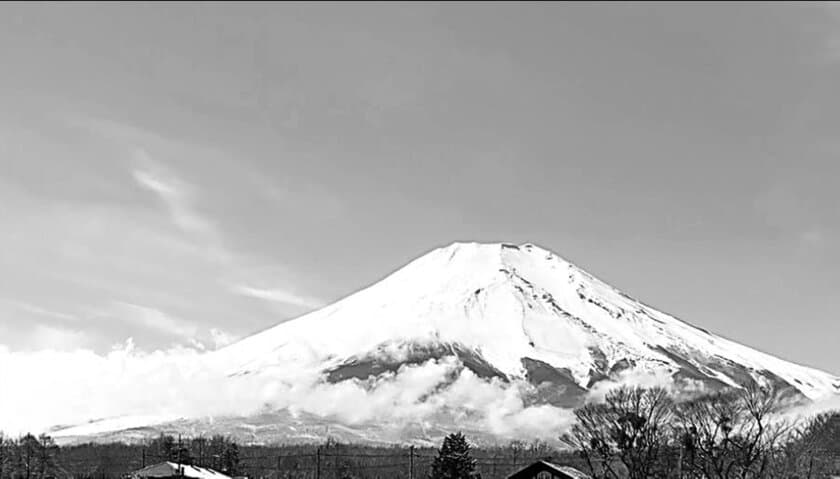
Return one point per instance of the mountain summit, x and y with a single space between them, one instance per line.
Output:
510 312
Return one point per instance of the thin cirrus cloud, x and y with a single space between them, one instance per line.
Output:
177 196
156 320
40 311
277 295
181 201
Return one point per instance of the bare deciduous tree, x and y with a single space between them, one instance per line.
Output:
811 449
624 435
730 434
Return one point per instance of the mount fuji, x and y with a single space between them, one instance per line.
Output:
470 331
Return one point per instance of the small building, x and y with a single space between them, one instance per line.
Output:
548 470
172 470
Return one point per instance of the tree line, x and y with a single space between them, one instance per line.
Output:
633 433
31 457
28 457
645 433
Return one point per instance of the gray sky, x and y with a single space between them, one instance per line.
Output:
208 170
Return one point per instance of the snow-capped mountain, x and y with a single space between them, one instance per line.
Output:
509 311
490 338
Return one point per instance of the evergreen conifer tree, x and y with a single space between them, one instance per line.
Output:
454 460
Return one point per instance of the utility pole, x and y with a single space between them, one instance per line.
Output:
278 466
680 462
318 463
178 457
411 462
143 458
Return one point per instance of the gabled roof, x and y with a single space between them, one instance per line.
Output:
567 472
170 469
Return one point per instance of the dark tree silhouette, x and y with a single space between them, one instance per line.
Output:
731 434
626 435
812 449
230 459
454 460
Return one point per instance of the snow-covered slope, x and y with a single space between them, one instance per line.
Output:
509 311
498 340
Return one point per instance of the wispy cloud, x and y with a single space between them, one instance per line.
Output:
278 295
180 199
40 311
155 320
176 194
160 235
